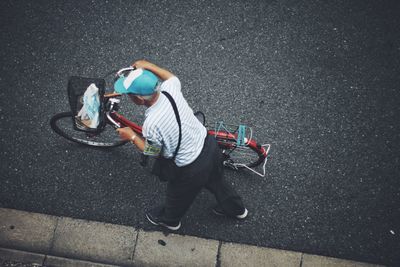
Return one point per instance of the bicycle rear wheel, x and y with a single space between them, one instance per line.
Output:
237 157
61 123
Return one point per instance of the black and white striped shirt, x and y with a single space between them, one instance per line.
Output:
161 129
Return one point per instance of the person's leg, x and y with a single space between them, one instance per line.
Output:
182 192
228 199
179 197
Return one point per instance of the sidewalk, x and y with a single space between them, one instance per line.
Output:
32 239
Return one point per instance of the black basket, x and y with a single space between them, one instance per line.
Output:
76 89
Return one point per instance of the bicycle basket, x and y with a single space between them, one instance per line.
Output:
77 87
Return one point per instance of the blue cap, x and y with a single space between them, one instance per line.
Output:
139 82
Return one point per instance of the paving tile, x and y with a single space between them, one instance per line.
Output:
52 261
94 241
157 249
26 231
21 256
98 244
315 260
232 255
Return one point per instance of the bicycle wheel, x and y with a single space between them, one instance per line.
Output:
61 123
238 157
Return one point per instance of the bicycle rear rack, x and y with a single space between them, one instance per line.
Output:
262 174
239 136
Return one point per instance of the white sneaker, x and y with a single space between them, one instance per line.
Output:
217 210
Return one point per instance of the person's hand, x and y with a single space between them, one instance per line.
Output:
126 133
161 73
141 64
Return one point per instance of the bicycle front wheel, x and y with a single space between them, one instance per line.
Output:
62 124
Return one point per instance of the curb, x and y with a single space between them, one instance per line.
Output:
46 240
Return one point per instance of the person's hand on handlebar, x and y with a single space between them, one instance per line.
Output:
128 134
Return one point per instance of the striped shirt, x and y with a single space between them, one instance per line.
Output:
160 128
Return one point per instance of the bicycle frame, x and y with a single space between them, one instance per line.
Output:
224 139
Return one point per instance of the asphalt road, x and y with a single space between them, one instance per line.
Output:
319 80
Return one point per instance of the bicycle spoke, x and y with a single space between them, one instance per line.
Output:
241 155
63 125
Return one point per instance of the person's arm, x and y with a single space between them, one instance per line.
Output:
163 74
129 135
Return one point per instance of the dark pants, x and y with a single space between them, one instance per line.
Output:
206 171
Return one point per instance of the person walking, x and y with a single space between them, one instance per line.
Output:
187 157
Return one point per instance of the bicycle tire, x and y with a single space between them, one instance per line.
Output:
250 155
61 123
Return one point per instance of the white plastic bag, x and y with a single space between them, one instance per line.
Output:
89 113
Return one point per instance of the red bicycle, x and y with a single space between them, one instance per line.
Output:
239 148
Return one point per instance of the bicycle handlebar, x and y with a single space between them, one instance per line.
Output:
124 69
110 95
